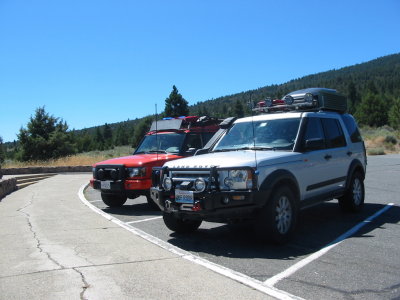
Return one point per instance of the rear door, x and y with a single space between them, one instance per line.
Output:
324 169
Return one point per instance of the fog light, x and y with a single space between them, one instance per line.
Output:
200 185
228 181
167 184
114 174
226 200
100 174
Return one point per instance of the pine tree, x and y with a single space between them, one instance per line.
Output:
353 97
239 111
99 139
394 114
121 136
107 134
141 130
175 104
1 151
45 137
372 111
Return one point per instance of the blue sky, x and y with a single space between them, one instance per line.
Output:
92 62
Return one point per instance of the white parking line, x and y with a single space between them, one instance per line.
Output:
302 263
242 278
144 220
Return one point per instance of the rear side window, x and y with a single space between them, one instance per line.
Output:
333 133
314 129
207 136
352 128
193 141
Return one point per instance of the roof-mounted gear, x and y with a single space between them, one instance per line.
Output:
306 99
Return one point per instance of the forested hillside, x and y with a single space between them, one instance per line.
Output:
372 88
379 77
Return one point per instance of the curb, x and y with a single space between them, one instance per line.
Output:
40 170
7 186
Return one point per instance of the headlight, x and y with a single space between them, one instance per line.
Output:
167 183
239 179
136 172
200 184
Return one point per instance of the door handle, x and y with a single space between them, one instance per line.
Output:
328 157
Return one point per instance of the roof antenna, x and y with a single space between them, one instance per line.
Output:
252 125
156 131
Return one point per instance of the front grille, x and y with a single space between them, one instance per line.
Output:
179 177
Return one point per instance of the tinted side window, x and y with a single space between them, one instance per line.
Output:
314 129
194 141
333 133
207 136
352 128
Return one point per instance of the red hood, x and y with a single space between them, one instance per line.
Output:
139 160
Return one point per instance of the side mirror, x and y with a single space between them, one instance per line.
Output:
201 151
314 144
190 151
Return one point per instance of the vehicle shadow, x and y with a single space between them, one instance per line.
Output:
317 227
134 209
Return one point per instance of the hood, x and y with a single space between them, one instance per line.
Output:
138 159
234 159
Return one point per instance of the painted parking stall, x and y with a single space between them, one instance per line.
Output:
333 254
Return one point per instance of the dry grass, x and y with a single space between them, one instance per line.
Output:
382 140
378 141
82 159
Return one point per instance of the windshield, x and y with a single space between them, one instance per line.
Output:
167 143
277 134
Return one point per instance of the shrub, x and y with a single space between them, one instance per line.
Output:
376 151
390 139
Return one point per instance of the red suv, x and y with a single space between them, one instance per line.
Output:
168 139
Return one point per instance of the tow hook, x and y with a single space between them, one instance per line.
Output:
196 206
167 205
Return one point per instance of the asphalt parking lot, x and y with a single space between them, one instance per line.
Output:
333 255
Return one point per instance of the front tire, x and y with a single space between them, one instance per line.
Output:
180 225
113 200
276 221
353 199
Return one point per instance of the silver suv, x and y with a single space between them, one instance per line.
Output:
264 168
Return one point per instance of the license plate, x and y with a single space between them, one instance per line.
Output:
105 185
184 196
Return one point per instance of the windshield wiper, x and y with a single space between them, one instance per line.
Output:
263 148
245 148
256 148
224 150
157 151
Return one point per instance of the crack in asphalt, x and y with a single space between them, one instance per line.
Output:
91 266
35 236
41 250
85 286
